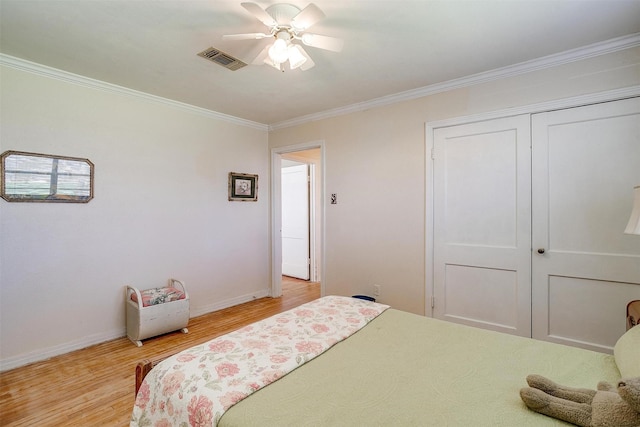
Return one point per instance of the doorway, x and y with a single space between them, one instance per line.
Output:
305 242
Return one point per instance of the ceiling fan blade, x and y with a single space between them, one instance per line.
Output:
259 60
307 17
307 65
248 36
322 42
309 62
259 13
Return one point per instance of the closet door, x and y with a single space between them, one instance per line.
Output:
586 161
482 224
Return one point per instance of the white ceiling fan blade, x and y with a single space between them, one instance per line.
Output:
259 13
309 62
248 36
307 17
264 54
322 42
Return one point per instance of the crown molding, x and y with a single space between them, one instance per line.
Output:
65 76
585 52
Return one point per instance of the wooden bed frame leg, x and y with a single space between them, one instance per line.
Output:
142 369
633 314
145 366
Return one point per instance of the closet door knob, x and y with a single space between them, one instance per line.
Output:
541 251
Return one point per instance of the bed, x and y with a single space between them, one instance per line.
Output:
380 367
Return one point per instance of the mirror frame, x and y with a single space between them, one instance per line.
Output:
50 198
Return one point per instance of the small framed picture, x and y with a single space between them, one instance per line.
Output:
243 187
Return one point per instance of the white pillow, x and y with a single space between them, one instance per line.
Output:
627 353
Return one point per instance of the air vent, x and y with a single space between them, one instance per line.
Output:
221 58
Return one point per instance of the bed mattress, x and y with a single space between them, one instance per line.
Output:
409 370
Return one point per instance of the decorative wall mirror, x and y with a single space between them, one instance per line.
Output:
32 177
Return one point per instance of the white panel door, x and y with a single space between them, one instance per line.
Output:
295 221
586 161
482 224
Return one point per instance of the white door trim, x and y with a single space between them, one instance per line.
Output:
276 214
577 101
313 273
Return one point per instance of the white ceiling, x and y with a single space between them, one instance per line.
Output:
390 46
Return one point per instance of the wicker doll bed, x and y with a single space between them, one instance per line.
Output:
156 311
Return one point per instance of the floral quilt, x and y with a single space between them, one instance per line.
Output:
158 296
195 387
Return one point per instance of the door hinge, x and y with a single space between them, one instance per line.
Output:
433 302
433 153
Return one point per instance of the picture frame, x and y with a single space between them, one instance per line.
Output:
243 187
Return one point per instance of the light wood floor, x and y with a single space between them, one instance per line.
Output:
95 386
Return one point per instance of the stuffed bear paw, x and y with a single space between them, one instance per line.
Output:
534 398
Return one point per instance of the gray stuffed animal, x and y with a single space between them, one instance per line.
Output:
607 406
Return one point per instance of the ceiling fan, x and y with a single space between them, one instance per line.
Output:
287 26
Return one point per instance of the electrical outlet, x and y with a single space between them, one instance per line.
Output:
376 290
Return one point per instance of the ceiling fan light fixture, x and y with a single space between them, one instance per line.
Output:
270 62
296 58
279 51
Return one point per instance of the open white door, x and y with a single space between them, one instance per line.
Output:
295 221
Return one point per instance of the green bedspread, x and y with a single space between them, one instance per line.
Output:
408 370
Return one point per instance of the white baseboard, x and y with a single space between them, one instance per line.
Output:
47 353
199 311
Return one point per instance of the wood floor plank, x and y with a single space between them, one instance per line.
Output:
95 386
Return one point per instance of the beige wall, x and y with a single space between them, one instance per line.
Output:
160 210
160 207
375 162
